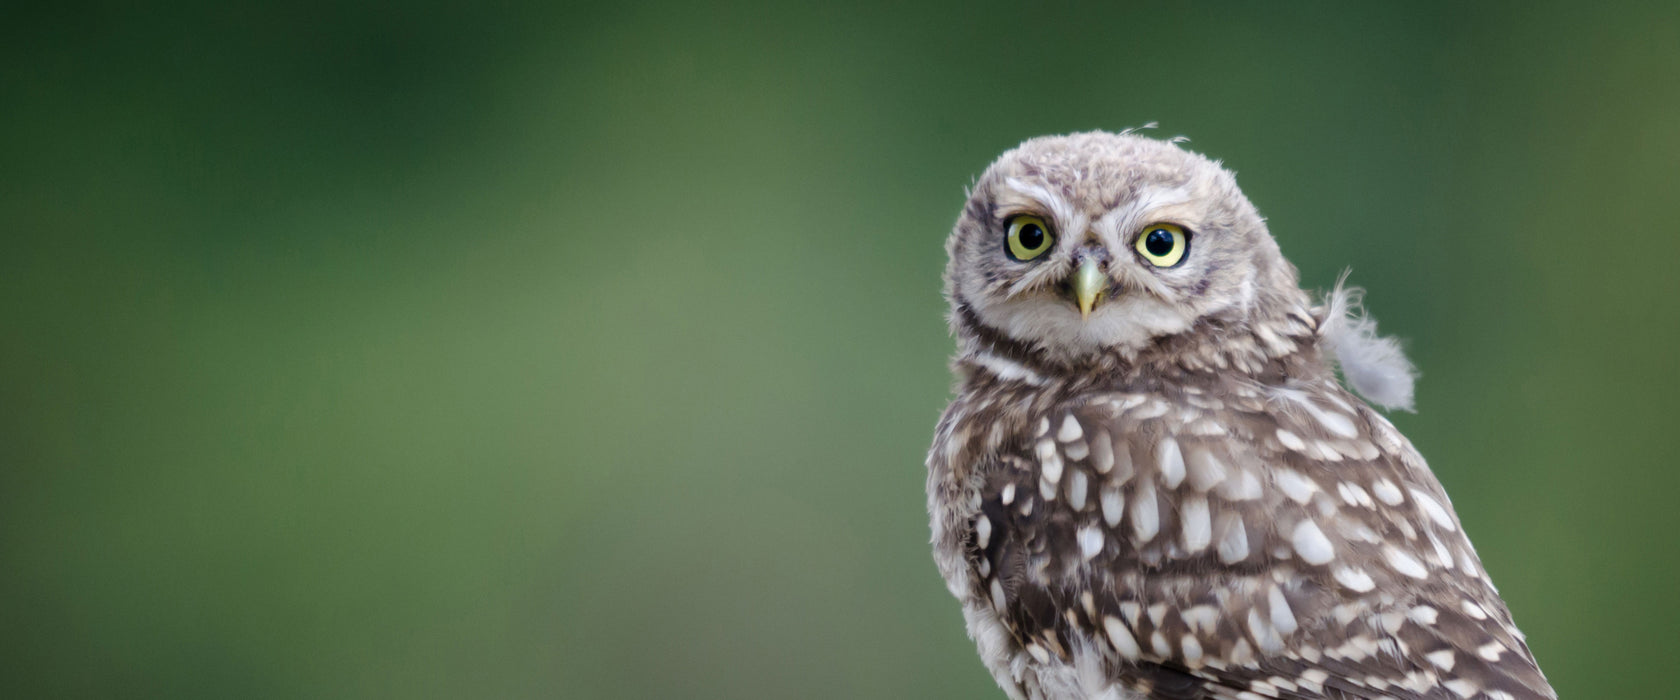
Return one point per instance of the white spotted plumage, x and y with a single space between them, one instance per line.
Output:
1174 496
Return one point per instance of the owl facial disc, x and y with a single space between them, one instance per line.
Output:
1090 248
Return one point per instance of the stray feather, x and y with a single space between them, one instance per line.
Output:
1373 365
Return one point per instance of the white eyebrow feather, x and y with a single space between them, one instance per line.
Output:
1058 207
1153 198
1122 220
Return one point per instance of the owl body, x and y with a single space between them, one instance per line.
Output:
1151 483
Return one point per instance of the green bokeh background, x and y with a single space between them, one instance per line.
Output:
385 350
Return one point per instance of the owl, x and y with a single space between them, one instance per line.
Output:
1152 484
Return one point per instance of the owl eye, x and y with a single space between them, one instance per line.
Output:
1163 245
1029 237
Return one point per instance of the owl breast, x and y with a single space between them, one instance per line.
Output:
1155 532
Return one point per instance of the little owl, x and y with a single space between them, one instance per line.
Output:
1151 483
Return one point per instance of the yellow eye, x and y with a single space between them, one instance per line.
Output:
1029 237
1163 245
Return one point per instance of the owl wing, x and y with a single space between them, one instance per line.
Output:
1273 542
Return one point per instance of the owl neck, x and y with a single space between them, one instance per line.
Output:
1267 348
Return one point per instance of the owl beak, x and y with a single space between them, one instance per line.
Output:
1088 285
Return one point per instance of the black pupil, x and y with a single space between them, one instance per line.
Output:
1031 236
1159 242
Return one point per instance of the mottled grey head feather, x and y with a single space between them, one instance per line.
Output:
1373 365
1100 191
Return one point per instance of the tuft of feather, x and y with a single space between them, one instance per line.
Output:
1373 365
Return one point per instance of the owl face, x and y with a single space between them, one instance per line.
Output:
1094 243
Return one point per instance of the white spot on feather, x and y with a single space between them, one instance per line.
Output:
1355 580
1090 541
1336 423
1131 610
1076 490
1159 642
1244 487
1112 506
1282 617
1192 651
1145 515
1154 408
1311 544
1264 635
1171 462
1102 452
1242 654
1298 488
1404 563
1205 469
1121 638
1490 651
1387 492
1195 525
1049 461
1201 618
1233 546
1315 676
1122 471
1070 429
1434 510
1352 494
1291 440
1461 687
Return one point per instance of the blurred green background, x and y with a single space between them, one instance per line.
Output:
388 350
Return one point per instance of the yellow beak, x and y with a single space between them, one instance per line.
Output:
1088 285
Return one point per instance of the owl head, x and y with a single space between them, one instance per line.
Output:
1100 243
1095 248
